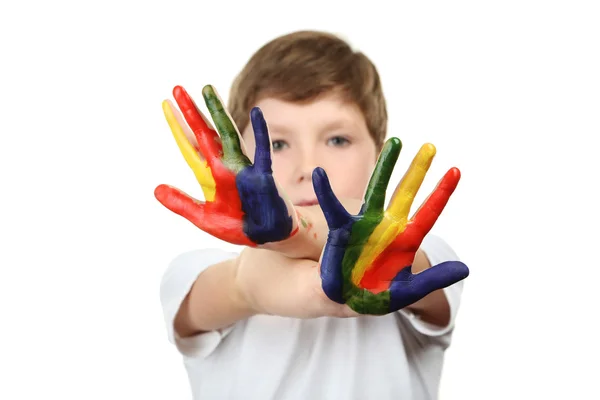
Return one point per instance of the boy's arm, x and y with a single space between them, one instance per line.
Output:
213 302
267 282
256 282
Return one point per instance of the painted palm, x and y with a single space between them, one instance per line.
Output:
242 204
367 260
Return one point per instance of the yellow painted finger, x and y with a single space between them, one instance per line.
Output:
190 154
406 191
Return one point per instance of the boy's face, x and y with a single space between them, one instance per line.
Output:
326 133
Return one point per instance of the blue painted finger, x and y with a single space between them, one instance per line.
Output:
335 213
262 155
408 288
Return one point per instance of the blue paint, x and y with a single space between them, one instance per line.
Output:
408 288
262 154
266 217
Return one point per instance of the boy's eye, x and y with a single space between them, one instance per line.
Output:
279 145
338 141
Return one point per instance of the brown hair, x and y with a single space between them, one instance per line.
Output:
303 65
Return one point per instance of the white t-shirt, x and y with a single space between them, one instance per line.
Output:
395 356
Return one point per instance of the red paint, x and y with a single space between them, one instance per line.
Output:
315 235
401 252
386 266
426 216
212 217
208 139
295 231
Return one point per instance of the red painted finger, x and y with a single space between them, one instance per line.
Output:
432 207
208 139
215 219
182 204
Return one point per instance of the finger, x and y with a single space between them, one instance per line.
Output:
408 187
262 155
335 213
207 138
198 166
233 155
407 288
375 194
426 216
182 204
184 127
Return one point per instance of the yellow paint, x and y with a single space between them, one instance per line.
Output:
198 165
396 216
411 182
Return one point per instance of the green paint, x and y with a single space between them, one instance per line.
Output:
375 194
365 302
233 157
362 300
304 224
361 231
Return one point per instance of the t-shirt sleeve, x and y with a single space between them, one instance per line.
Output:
176 283
438 251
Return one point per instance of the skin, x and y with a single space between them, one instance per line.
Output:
296 280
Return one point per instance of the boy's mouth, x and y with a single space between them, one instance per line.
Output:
307 203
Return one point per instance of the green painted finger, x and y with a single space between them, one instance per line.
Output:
233 156
375 194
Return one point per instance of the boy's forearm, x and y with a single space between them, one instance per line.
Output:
259 281
213 302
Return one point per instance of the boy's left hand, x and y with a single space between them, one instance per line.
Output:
367 260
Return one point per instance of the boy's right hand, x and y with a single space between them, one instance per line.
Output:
244 204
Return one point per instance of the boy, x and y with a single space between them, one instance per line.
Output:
276 321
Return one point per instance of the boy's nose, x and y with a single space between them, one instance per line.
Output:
306 168
305 175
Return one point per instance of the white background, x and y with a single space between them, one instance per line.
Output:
508 91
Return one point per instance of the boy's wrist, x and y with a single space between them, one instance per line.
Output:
269 283
308 241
